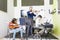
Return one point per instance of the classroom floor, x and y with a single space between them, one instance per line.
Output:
43 37
25 39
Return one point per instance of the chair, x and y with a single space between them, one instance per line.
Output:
38 31
22 21
10 32
47 29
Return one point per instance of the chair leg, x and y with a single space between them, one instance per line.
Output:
9 37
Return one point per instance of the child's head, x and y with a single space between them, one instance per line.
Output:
39 16
14 20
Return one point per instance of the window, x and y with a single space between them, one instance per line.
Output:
3 5
32 2
15 3
51 2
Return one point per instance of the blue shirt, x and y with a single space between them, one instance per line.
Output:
30 14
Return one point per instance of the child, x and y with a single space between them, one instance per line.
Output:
14 27
39 21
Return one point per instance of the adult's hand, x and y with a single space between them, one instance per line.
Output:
37 11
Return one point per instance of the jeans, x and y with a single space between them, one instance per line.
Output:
14 31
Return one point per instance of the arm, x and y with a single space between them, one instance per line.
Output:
28 13
16 25
12 26
33 14
42 21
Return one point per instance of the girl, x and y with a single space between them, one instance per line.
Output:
14 27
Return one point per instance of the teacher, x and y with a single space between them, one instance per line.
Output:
30 13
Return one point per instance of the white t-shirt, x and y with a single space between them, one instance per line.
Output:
39 21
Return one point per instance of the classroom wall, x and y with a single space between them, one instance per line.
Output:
5 17
56 19
17 9
3 24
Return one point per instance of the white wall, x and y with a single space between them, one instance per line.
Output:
5 18
43 11
10 8
3 24
17 9
45 8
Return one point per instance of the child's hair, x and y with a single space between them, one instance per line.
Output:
40 16
13 20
